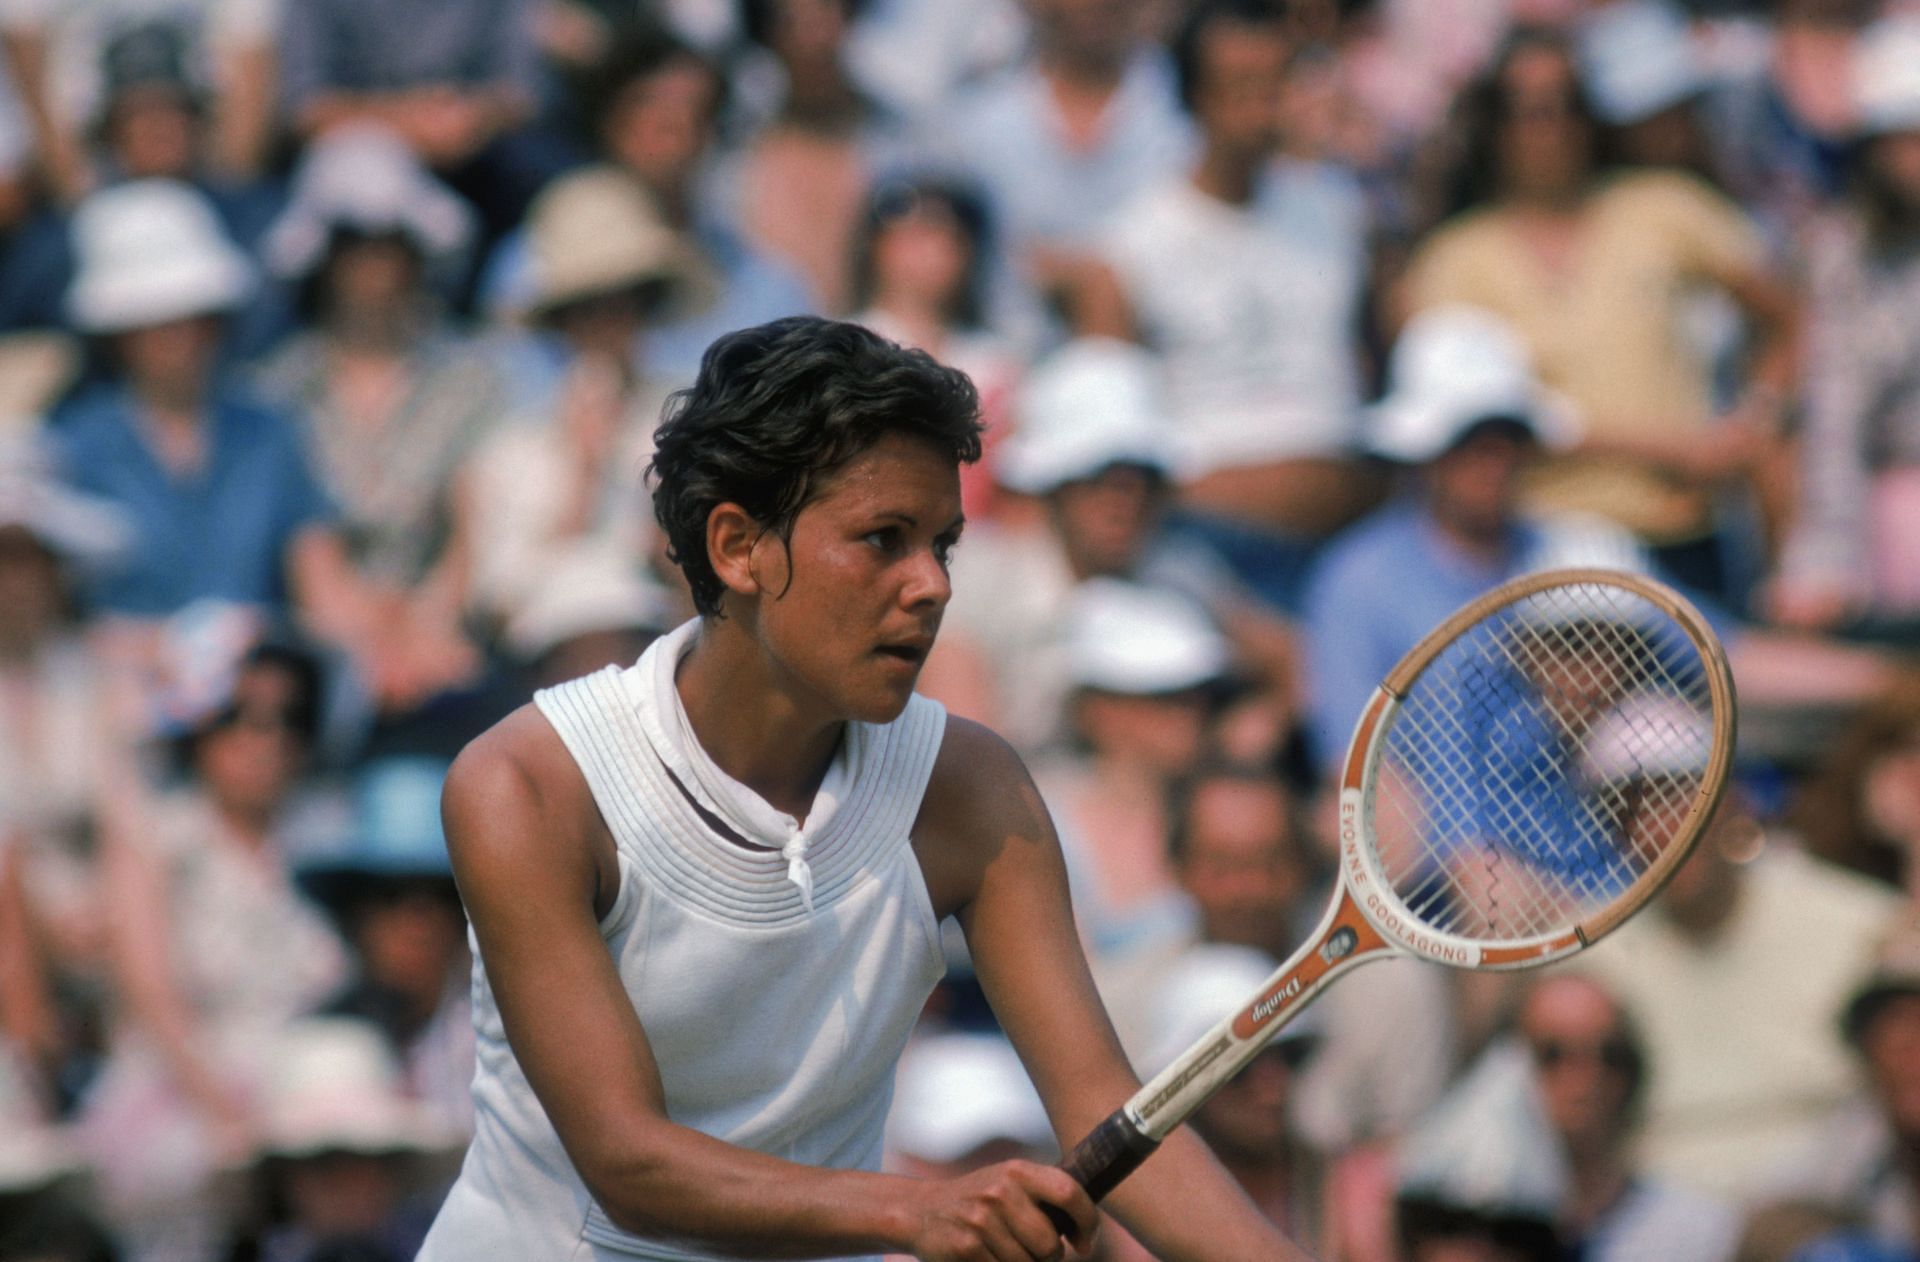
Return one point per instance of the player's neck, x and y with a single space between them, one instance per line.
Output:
750 726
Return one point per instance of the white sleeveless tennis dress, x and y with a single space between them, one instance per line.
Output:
777 982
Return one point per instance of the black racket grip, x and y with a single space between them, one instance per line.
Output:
1097 1163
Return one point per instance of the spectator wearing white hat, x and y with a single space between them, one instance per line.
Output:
223 502
550 498
1147 671
1648 82
1241 852
1466 418
57 740
1854 551
160 106
1091 444
351 1166
392 400
1464 411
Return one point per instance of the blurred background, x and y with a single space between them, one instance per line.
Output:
332 337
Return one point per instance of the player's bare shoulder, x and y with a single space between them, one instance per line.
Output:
979 802
515 800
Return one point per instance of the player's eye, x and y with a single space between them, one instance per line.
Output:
943 547
886 539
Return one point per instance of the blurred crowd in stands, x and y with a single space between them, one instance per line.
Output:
332 337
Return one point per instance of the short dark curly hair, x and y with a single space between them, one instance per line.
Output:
779 407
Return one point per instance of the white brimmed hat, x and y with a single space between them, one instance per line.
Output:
1886 76
1095 403
1647 735
597 232
80 529
1456 367
150 252
956 1093
1136 640
1638 59
334 1087
582 596
1205 985
366 179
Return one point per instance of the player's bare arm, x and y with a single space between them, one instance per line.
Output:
992 859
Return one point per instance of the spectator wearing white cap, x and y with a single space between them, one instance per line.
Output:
1854 552
392 400
1091 444
57 739
1648 80
550 498
1147 671
1465 413
962 1101
1241 852
223 502
1466 418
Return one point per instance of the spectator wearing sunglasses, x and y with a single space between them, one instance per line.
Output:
1529 1156
1590 1069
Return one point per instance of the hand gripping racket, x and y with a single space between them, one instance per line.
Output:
1523 781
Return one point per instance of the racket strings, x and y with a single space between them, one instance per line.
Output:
1541 763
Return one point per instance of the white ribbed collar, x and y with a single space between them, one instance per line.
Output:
671 734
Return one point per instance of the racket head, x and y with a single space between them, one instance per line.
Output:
1536 769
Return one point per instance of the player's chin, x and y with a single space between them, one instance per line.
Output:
885 691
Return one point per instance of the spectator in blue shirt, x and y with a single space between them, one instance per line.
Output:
222 499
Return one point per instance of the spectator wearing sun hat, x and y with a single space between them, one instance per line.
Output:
1092 444
1147 671
1649 83
373 242
388 884
1465 415
554 492
351 1165
223 501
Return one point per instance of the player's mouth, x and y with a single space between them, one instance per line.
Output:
910 651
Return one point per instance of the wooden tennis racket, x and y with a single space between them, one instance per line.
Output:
1521 783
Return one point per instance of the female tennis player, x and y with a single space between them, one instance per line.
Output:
705 890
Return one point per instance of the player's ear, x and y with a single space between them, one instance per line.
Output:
733 539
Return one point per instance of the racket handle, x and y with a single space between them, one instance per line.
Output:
1113 1150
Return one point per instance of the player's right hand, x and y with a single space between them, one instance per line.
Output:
994 1215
